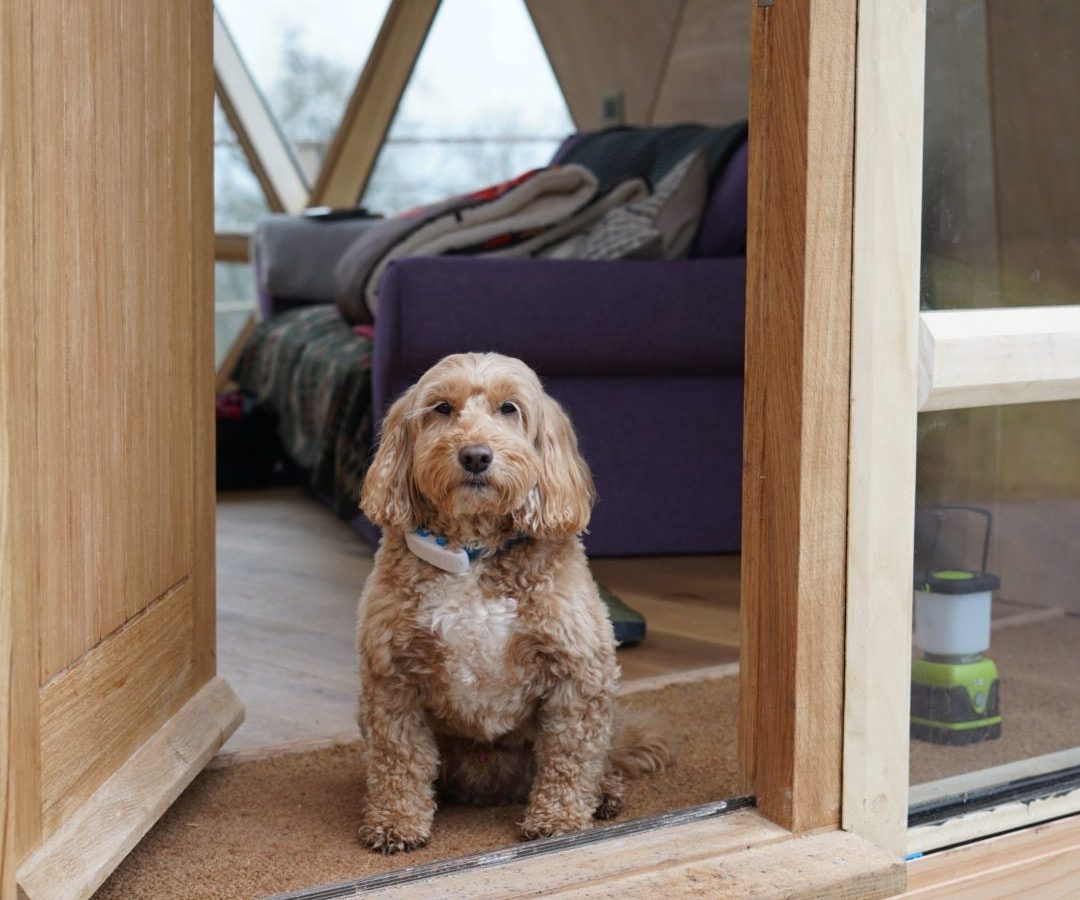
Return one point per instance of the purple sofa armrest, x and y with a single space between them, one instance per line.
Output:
562 317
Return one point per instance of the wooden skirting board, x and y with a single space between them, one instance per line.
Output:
81 854
87 726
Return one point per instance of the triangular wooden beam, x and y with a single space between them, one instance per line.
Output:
264 145
359 138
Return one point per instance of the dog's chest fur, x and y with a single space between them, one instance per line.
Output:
480 688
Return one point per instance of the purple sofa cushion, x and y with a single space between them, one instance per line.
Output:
666 454
723 226
563 317
568 143
646 357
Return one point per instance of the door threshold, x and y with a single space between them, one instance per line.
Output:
489 859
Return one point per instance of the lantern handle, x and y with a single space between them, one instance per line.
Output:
938 512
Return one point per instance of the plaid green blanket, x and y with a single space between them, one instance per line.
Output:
314 371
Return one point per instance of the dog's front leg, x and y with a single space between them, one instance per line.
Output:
402 762
571 751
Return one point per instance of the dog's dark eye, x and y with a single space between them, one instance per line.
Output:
443 408
508 408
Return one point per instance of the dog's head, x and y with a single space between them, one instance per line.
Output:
477 436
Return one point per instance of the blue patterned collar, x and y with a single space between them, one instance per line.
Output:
435 549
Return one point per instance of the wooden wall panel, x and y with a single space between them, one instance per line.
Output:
707 75
605 45
113 301
97 713
796 410
673 60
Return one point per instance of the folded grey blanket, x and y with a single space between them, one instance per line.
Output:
295 257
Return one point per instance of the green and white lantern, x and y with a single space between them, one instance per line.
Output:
955 692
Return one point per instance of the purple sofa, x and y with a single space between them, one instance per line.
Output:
646 356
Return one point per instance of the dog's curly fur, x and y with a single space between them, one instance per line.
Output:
497 685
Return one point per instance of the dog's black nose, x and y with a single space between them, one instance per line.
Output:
475 457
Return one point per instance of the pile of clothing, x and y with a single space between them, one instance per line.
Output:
625 193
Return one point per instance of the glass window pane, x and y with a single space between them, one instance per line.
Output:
481 106
1001 187
239 201
306 59
1014 469
234 301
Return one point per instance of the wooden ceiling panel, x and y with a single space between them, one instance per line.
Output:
707 75
600 46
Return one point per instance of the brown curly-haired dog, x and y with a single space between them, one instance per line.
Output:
493 674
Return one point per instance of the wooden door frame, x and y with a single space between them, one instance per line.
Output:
798 300
799 252
795 482
884 373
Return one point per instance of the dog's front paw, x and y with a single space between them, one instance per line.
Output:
541 823
609 807
395 837
612 790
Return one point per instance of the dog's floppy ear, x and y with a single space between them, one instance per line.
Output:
564 496
387 495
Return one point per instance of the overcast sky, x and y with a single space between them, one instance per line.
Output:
482 56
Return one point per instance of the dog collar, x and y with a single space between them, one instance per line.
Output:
436 550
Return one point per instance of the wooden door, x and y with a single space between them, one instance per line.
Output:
106 454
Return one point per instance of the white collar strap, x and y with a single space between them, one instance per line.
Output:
436 550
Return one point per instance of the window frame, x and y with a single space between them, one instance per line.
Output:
905 361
